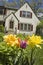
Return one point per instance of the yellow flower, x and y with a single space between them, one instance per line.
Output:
11 39
34 40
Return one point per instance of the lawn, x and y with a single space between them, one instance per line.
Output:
38 53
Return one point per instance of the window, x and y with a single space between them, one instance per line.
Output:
30 27
1 11
11 24
25 26
25 14
21 27
29 15
22 13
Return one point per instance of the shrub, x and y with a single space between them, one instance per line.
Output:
1 37
39 29
14 51
22 36
1 28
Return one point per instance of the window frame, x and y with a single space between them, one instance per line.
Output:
31 27
11 24
25 15
23 27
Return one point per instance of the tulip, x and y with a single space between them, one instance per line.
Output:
23 44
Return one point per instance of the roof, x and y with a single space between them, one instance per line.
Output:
18 9
10 14
11 8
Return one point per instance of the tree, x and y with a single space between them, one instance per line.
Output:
21 2
35 5
40 10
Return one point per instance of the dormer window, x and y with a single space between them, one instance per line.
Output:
25 14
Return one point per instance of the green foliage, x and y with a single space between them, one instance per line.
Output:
17 56
1 36
12 55
39 29
1 28
22 36
35 4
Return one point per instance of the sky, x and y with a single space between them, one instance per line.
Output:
10 1
18 0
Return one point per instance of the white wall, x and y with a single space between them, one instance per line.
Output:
1 18
8 21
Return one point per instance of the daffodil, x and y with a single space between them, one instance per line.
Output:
34 40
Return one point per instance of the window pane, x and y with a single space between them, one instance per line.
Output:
21 26
25 14
30 27
29 14
25 26
22 13
11 24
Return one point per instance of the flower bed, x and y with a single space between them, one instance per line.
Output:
15 51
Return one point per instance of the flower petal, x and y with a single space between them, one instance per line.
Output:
38 46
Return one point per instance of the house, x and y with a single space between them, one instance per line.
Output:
22 21
5 11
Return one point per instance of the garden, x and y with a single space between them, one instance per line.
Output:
21 49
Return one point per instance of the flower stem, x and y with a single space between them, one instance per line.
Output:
31 58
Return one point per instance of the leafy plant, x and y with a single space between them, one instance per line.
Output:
18 52
1 28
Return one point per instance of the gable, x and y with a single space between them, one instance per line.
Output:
11 15
27 8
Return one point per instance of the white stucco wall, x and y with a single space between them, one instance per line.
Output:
34 20
8 22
